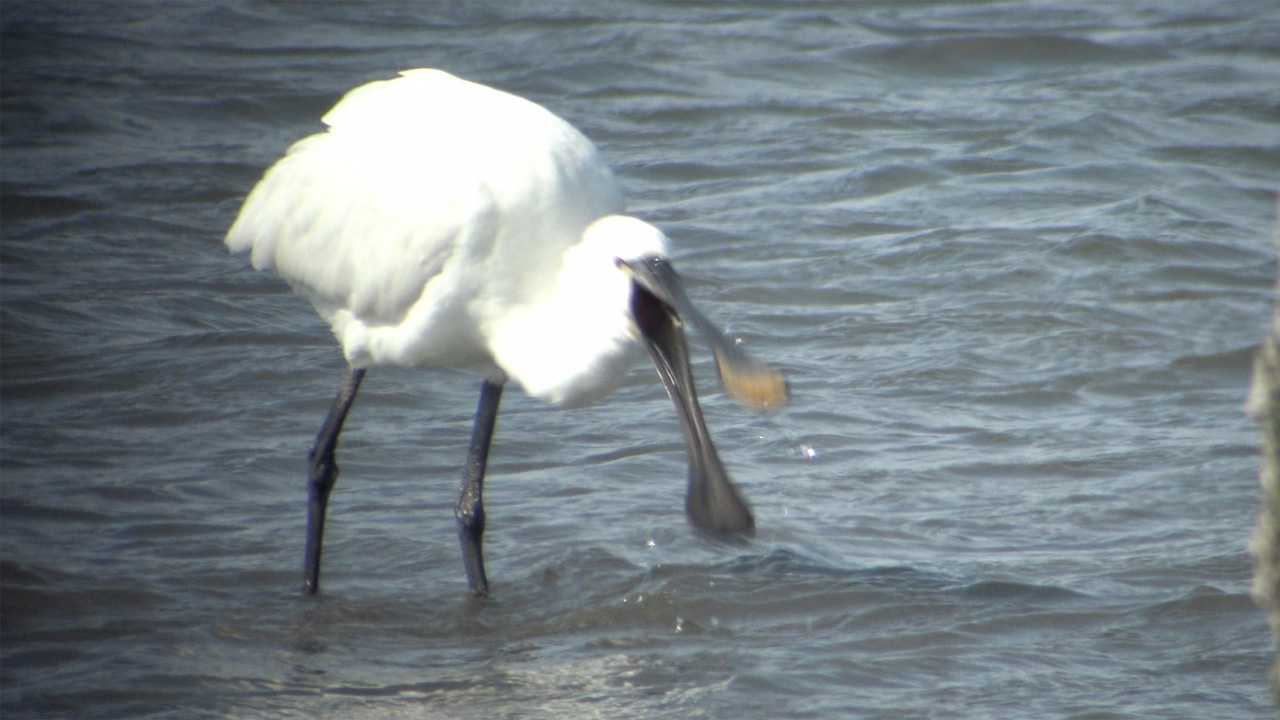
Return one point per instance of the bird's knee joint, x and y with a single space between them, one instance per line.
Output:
470 518
324 471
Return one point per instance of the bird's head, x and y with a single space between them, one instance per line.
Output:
661 310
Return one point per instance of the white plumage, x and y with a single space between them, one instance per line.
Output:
429 226
438 222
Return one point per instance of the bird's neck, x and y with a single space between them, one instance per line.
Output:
571 342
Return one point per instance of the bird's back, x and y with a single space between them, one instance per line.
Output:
429 202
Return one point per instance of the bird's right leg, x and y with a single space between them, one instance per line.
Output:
323 474
470 508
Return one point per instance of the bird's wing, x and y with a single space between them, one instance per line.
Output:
364 216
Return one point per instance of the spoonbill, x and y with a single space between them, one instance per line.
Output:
438 222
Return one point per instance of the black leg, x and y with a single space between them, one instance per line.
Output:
470 508
324 472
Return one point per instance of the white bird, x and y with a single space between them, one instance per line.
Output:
442 223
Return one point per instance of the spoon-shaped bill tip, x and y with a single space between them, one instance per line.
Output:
753 384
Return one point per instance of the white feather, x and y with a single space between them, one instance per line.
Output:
439 222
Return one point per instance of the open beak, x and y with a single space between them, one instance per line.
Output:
660 308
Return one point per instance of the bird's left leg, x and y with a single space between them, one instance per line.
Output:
470 508
323 474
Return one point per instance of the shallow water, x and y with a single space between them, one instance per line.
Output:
1015 258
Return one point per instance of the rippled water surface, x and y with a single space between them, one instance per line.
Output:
1015 258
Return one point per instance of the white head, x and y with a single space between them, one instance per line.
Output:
572 345
623 236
